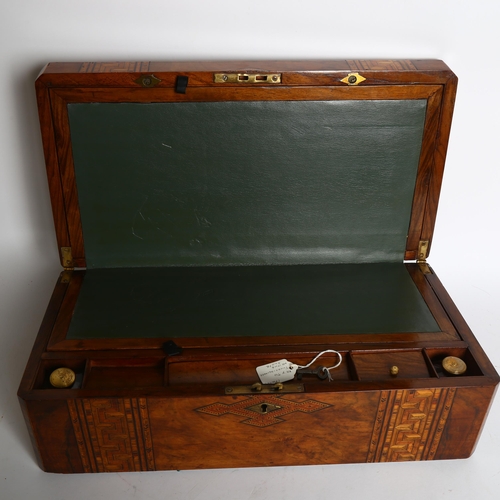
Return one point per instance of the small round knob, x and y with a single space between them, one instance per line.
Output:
454 365
62 378
394 370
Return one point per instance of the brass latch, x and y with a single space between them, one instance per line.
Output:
247 78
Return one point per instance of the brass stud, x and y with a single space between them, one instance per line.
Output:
394 370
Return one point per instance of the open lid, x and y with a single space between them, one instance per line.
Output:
182 164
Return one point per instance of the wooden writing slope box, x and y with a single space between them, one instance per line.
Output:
248 212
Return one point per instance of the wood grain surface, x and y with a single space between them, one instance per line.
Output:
136 408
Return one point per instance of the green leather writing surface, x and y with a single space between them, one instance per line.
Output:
249 301
245 183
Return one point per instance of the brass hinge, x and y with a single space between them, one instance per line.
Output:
66 275
423 249
67 258
422 252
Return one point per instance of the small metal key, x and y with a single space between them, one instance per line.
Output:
321 372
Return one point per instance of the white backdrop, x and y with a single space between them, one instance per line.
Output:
461 32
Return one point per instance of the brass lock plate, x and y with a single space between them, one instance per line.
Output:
247 78
264 389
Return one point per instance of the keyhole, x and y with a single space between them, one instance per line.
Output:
263 408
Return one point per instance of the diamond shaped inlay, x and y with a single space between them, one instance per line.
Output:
262 411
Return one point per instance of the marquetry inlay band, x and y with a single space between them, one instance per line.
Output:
409 424
113 435
380 65
114 67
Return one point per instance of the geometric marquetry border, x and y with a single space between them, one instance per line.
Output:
248 409
113 435
354 65
409 424
380 64
113 67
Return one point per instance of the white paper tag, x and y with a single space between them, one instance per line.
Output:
277 371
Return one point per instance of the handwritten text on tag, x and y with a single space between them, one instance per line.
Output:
277 371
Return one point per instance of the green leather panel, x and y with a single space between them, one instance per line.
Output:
249 301
237 183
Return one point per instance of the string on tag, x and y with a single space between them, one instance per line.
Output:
326 369
284 370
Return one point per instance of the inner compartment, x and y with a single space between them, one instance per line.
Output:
437 355
243 371
249 301
377 365
125 373
160 371
42 380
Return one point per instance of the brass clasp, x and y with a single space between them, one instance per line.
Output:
247 78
